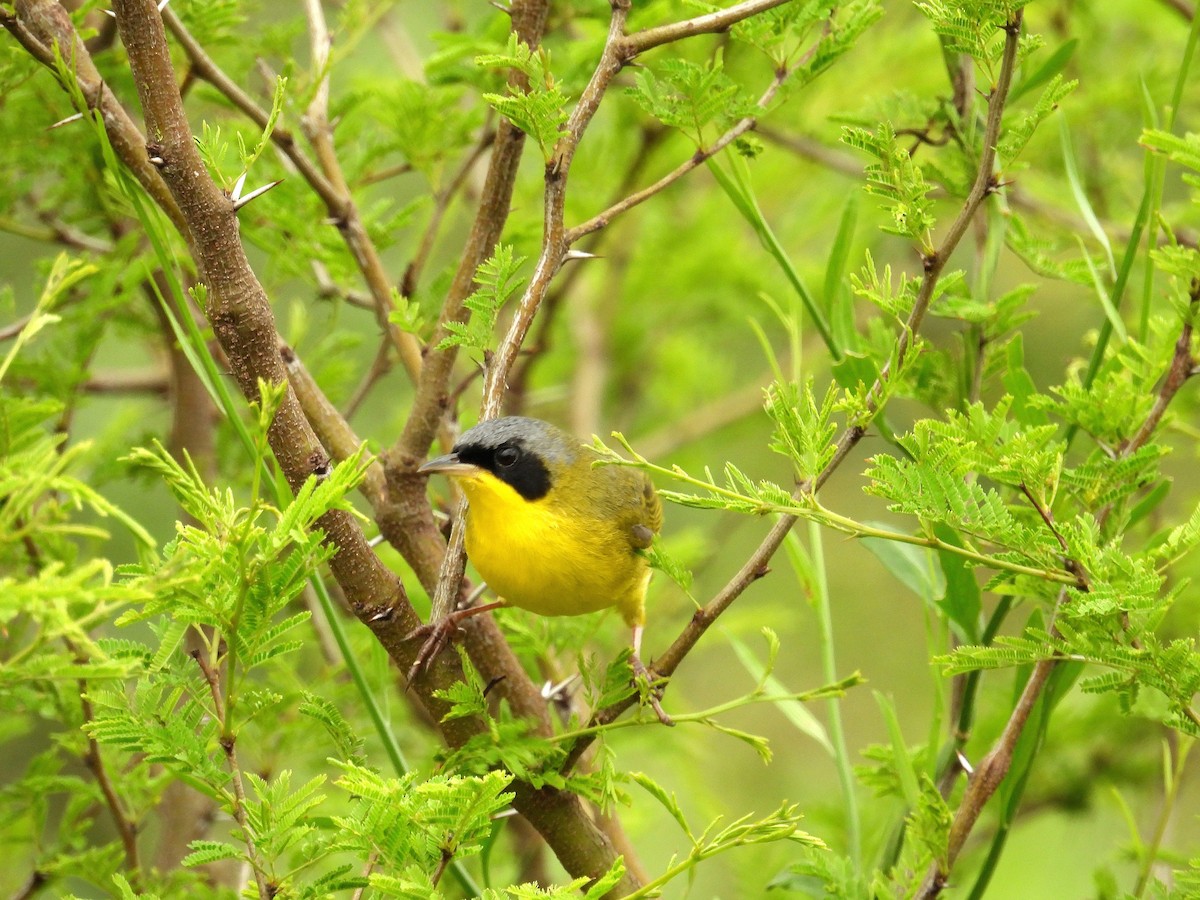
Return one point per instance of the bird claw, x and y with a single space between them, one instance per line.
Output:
438 634
435 635
649 692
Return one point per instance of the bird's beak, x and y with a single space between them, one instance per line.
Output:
450 465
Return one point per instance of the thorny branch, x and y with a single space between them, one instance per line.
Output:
241 317
619 49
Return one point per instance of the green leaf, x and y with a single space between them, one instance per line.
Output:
961 601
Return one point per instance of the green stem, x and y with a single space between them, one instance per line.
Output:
1164 818
837 734
705 716
813 511
390 745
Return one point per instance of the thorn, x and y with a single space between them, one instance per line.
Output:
109 12
964 762
163 5
381 615
157 161
505 813
579 254
491 684
475 594
238 204
507 10
67 121
320 465
375 541
552 691
237 187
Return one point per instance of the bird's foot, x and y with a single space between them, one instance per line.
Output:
647 688
436 635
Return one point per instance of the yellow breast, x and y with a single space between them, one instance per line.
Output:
551 563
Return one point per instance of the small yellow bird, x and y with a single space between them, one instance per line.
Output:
550 531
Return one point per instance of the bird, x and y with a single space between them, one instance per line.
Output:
552 532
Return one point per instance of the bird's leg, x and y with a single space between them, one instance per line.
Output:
438 634
641 673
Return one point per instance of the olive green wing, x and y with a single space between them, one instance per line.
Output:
649 514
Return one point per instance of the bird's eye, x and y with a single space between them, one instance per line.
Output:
507 456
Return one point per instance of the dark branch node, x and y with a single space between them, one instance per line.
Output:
318 464
154 151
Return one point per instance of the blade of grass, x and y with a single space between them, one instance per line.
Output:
737 188
815 563
1080 195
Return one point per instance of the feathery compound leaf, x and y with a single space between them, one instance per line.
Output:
1016 136
934 494
498 281
784 31
804 431
325 711
205 852
540 111
974 27
409 822
690 97
896 178
895 299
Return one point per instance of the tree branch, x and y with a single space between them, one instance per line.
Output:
242 320
42 25
995 766
710 23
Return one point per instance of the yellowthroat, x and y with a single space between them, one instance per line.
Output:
550 531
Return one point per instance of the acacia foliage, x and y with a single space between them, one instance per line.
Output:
1012 164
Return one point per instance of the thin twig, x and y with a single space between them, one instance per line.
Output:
380 366
126 828
1185 9
229 745
710 23
429 407
554 248
54 231
441 203
697 159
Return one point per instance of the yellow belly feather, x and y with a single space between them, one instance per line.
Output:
548 563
